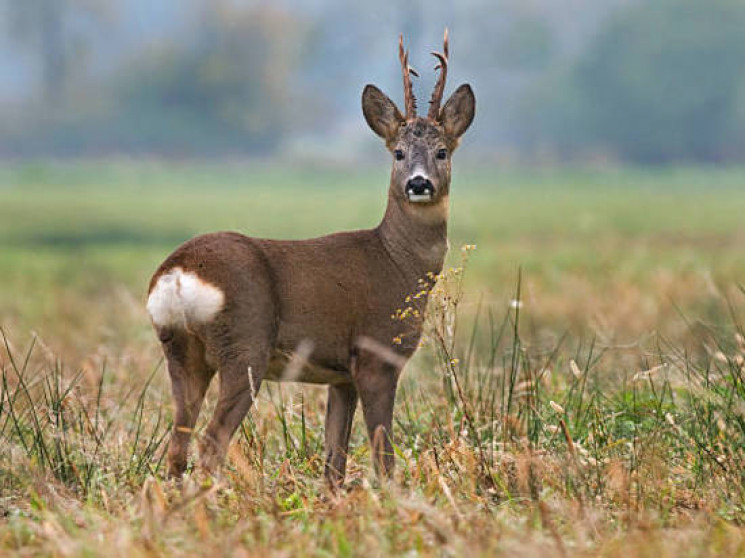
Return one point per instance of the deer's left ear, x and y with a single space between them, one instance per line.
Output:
457 114
381 113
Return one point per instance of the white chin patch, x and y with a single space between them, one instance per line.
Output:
181 297
419 198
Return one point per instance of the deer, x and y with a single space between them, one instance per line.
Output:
244 308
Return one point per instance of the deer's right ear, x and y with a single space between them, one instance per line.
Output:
381 113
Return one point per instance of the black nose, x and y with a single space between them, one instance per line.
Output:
419 186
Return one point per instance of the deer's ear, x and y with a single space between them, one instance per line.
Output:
381 113
457 114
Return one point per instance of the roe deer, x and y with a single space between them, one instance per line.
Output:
242 306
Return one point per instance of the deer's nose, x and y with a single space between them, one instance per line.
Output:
419 186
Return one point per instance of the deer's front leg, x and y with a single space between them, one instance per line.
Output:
340 409
376 382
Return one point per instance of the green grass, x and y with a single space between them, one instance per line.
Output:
80 236
521 430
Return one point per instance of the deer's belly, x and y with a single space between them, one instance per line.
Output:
295 367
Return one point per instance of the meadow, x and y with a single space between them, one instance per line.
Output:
579 391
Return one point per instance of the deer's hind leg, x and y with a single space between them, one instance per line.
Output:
240 379
190 377
239 341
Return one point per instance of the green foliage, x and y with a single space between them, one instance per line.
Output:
526 46
228 89
663 81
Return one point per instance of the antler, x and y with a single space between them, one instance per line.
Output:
442 57
407 71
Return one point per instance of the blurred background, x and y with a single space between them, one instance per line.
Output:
605 159
631 81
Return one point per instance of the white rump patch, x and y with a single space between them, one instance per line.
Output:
181 297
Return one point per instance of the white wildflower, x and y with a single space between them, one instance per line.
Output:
556 407
575 369
647 374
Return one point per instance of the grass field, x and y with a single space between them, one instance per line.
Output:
589 399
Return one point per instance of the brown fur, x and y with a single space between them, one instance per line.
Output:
335 294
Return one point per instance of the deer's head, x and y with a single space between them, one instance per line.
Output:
421 147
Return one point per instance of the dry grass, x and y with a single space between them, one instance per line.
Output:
505 443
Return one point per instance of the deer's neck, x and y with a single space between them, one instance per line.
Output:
416 236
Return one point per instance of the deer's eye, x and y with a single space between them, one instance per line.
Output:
442 154
399 155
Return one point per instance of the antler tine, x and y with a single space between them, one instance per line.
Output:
442 57
407 71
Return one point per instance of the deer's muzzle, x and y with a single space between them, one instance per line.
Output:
419 189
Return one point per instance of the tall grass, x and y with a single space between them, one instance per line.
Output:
57 427
507 440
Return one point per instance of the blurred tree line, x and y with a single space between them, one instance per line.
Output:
662 81
222 88
642 81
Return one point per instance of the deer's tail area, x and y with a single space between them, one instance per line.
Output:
180 299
